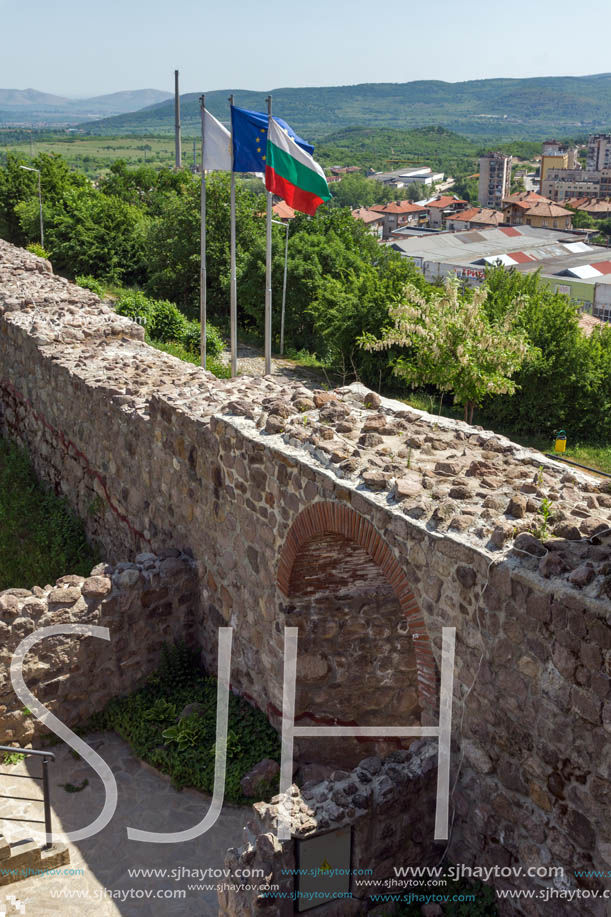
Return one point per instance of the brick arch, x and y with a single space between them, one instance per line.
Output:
329 517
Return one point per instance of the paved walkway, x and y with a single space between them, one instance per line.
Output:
146 801
251 362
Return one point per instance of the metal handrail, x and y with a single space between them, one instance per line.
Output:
46 793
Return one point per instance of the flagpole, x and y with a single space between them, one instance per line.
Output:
203 275
233 286
268 269
286 255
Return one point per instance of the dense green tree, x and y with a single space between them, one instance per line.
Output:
583 220
90 233
15 185
354 190
18 185
446 338
173 244
568 383
144 186
340 281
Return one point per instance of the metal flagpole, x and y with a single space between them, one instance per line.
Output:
203 276
268 270
233 286
286 255
177 140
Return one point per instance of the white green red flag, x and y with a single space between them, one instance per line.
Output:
291 173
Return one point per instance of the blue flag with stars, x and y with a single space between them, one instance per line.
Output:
249 133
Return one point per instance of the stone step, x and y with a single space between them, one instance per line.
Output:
26 858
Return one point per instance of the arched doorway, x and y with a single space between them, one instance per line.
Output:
364 657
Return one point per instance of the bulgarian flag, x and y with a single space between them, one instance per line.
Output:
291 173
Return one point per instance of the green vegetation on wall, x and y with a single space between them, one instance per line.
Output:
171 724
40 538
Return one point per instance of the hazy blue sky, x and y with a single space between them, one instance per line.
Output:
84 48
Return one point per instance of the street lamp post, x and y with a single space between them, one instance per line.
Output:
42 231
286 253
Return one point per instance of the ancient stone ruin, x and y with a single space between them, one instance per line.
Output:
367 525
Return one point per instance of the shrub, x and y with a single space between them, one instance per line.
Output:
166 323
163 320
37 249
135 305
214 340
90 283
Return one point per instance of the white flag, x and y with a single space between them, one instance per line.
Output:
217 145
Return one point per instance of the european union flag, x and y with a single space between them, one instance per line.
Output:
249 132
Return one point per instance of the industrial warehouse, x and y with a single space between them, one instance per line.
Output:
567 262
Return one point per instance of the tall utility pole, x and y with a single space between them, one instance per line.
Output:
233 283
203 277
178 162
268 269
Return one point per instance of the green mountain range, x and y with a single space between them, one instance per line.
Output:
520 108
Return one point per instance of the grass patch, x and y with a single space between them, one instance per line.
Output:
596 457
9 758
40 538
176 349
149 719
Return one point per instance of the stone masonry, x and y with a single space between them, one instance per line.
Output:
366 524
143 604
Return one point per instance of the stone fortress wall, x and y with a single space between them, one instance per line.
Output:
367 525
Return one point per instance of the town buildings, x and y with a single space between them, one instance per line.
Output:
547 215
567 264
562 178
561 184
599 209
412 175
599 152
399 213
373 221
442 208
494 179
475 218
557 155
516 206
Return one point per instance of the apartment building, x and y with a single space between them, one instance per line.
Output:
556 155
599 152
494 179
562 184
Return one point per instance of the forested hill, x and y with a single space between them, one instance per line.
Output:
500 107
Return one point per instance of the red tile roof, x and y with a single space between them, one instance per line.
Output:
445 201
595 206
478 215
528 196
367 216
510 230
547 209
283 211
398 207
603 266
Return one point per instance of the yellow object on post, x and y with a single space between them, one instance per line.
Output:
560 441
